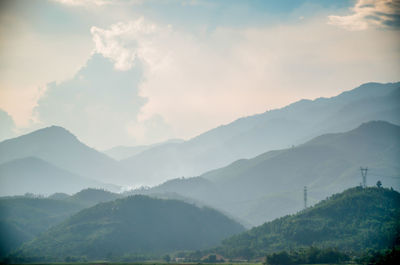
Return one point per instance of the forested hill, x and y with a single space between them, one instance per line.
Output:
133 225
355 219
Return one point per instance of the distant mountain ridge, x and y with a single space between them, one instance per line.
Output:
34 175
271 185
59 147
242 139
123 152
275 129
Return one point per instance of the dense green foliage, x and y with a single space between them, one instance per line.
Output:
307 256
382 257
133 225
355 220
23 218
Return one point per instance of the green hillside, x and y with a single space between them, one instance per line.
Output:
354 220
23 218
133 225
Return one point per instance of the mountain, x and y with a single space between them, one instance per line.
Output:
59 147
275 129
271 185
123 152
354 220
133 225
23 218
90 197
34 175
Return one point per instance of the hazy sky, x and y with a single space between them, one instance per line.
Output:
143 71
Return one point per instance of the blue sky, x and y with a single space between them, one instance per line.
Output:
142 71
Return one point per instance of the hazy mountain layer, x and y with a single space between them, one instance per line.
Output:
123 152
90 197
271 185
33 175
136 224
276 129
243 138
356 219
62 149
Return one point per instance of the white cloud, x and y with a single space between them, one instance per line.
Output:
94 3
136 42
200 80
84 2
7 126
370 14
100 104
190 81
29 60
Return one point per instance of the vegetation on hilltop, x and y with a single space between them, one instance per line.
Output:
131 226
355 220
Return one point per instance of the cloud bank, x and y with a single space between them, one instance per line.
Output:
7 126
198 81
370 14
99 103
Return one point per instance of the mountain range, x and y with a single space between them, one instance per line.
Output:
59 147
276 129
123 152
271 185
242 139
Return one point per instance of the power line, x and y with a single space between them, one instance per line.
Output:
305 197
364 172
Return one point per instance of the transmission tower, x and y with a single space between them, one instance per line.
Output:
364 172
305 197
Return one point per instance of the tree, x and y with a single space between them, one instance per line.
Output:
379 184
281 258
167 258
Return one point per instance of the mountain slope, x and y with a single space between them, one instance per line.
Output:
271 185
355 219
123 152
276 129
90 197
33 175
136 224
62 149
23 218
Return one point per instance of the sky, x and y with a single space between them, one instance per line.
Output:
143 71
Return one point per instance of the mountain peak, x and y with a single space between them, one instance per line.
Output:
377 127
53 130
